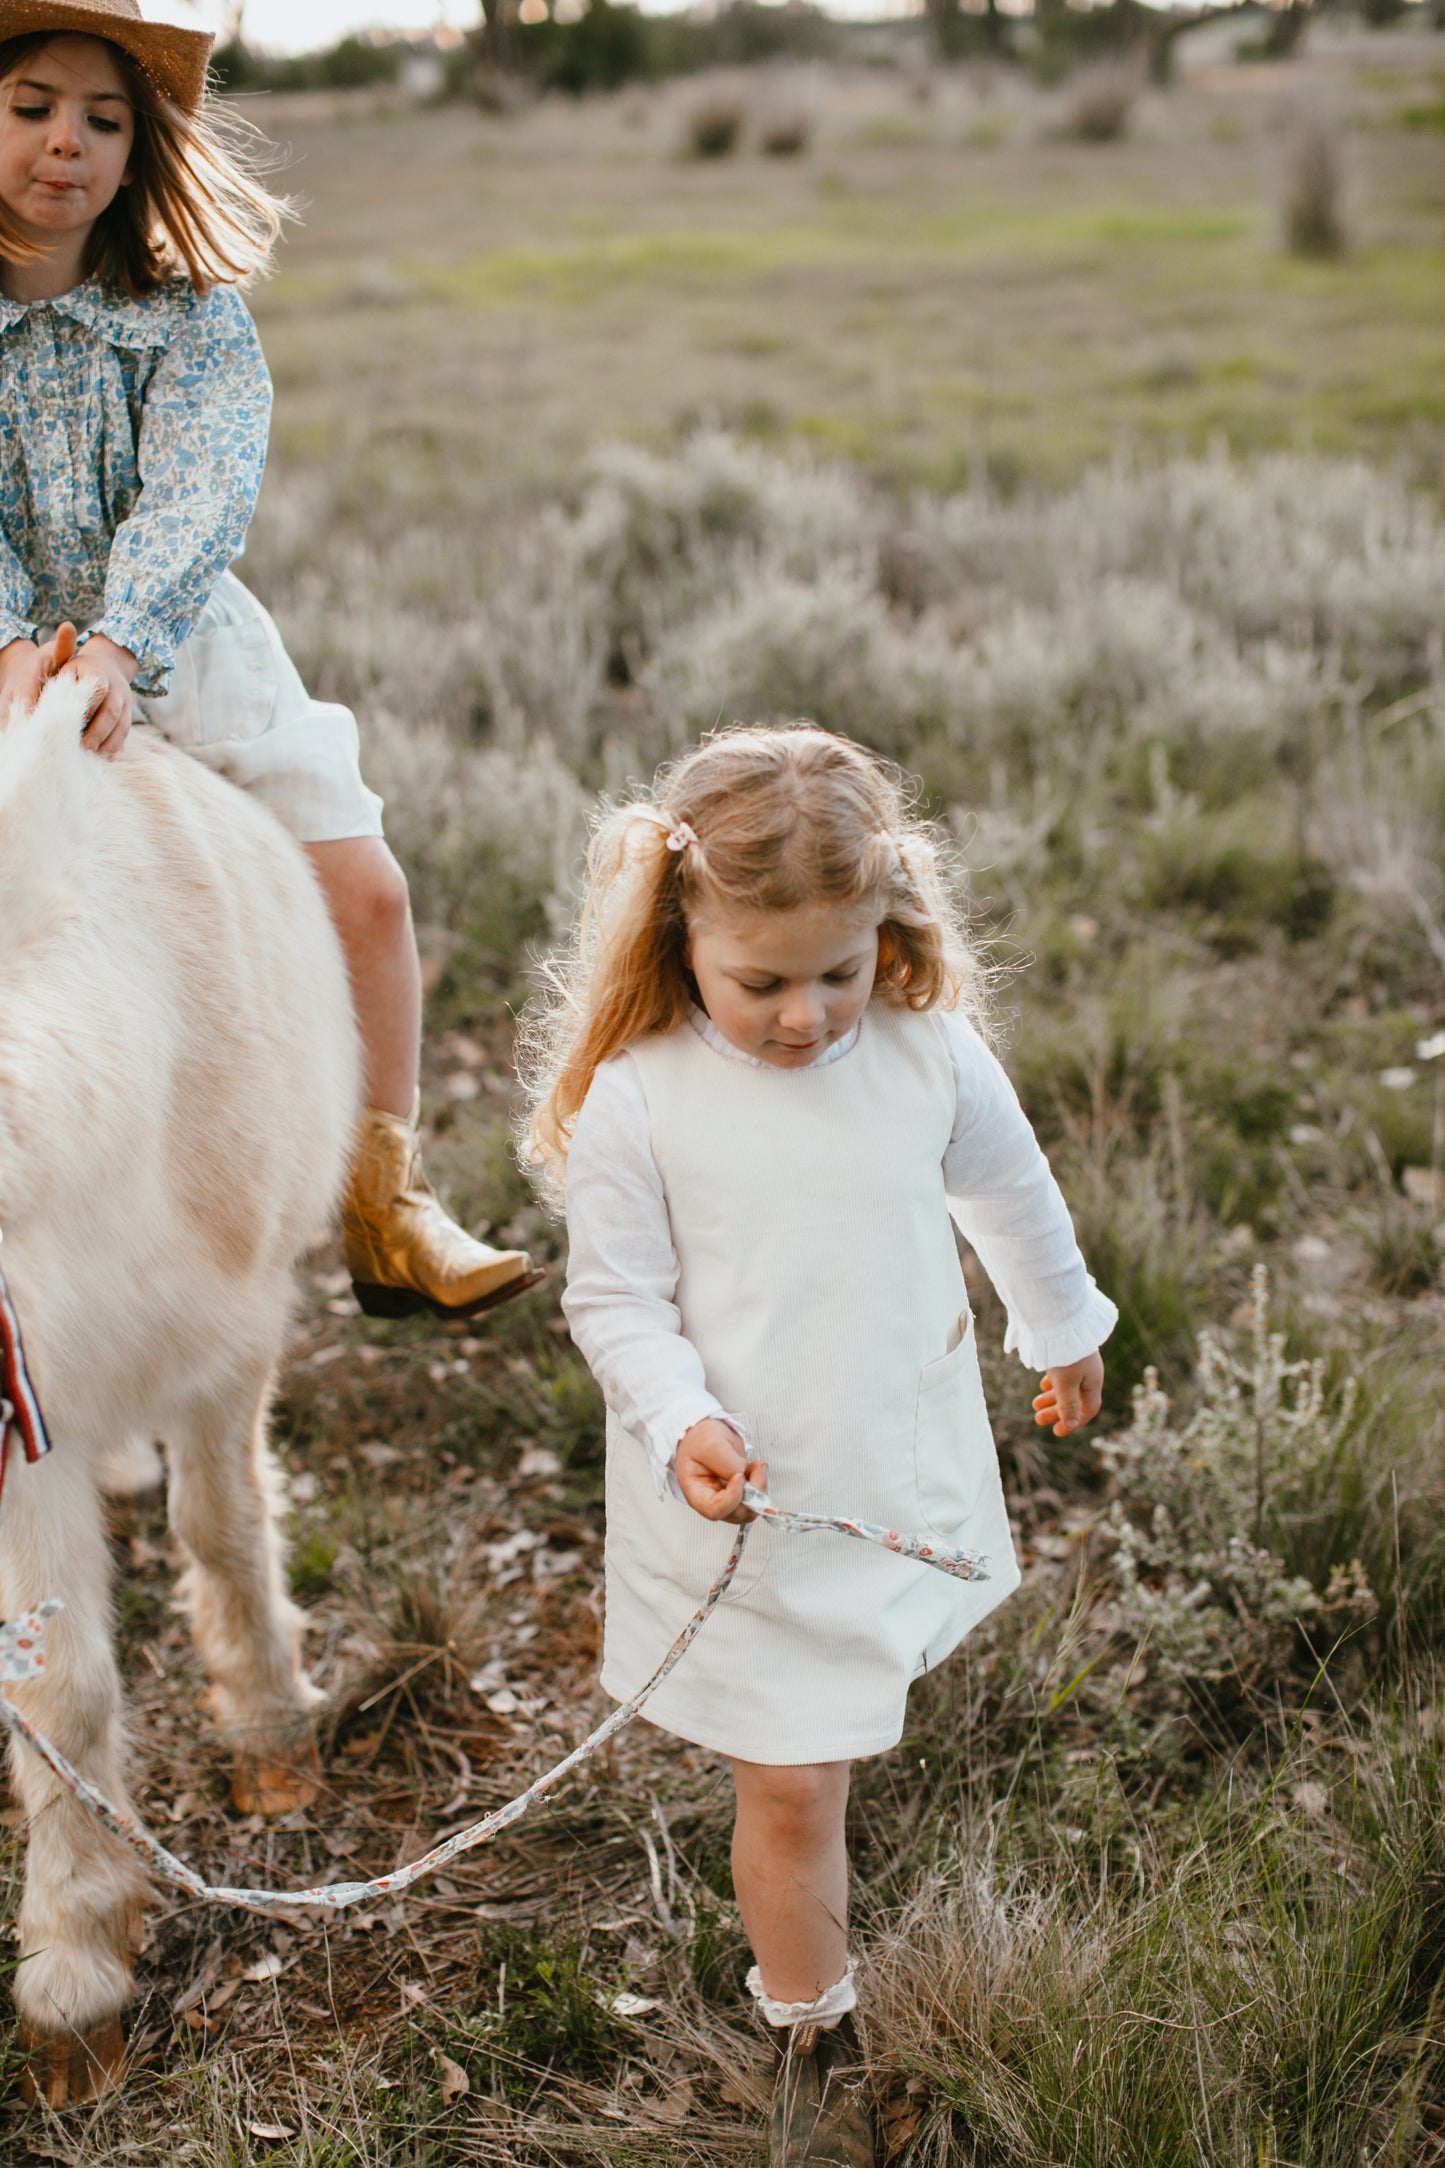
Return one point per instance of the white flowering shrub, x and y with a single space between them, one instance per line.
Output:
1204 1513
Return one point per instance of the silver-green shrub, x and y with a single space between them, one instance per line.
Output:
1010 647
1203 1512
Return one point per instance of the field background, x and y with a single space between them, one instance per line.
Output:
1041 465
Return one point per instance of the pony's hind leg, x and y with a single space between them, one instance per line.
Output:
81 1912
225 1500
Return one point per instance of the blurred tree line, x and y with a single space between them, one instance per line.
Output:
349 65
578 46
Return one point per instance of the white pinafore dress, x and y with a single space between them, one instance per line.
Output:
820 1282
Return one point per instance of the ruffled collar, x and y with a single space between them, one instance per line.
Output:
707 1030
112 316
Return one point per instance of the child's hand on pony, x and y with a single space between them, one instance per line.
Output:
1069 1395
712 1468
26 669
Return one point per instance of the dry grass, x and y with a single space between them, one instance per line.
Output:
1125 1907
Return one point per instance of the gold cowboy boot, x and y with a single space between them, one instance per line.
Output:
404 1253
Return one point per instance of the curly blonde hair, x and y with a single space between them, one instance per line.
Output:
776 817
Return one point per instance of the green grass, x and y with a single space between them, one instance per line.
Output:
1049 276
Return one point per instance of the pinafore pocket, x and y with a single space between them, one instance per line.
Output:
953 1450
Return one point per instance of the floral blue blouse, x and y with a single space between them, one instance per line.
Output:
132 439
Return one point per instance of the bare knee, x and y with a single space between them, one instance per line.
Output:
795 1805
366 890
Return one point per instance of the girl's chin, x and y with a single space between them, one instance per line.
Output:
48 217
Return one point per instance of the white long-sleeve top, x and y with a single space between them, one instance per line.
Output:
622 1268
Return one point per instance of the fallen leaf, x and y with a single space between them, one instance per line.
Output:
901 2120
266 1968
629 2005
455 2081
675 2106
377 1453
539 1460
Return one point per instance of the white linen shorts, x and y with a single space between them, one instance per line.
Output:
237 704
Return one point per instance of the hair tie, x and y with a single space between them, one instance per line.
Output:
681 836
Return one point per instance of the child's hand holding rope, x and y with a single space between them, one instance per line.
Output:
713 1468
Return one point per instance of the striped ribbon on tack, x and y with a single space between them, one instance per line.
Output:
22 1656
19 1402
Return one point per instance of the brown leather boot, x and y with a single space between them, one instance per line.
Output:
820 2115
404 1253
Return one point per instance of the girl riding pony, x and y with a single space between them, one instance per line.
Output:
136 402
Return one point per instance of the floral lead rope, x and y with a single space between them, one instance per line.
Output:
22 1656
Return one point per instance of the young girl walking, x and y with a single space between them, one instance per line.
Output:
136 402
762 1077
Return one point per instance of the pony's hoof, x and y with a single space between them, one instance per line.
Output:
69 2069
276 1787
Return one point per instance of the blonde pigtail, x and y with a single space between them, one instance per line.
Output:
626 978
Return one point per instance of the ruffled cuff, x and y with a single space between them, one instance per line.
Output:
15 628
153 648
663 1454
825 2010
1043 1347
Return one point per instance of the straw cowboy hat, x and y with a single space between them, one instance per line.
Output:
167 42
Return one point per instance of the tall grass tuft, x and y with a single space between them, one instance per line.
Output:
714 126
1099 102
1312 204
786 132
1257 1981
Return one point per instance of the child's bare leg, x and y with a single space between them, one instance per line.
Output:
403 1251
366 891
790 1872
